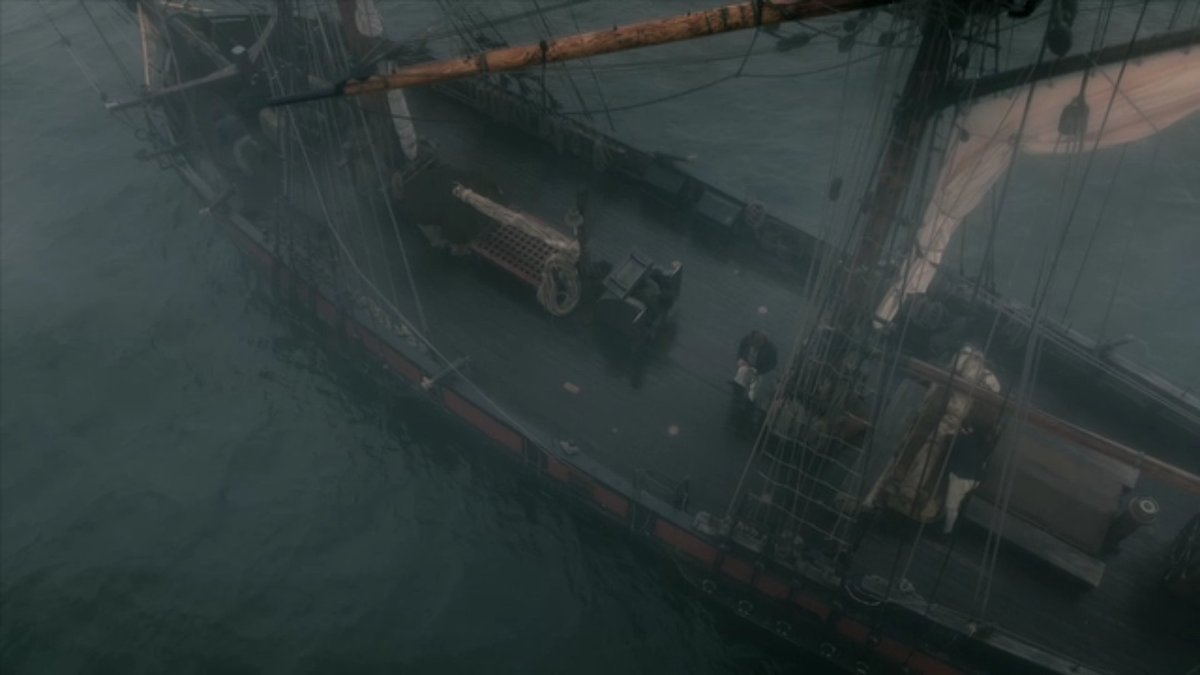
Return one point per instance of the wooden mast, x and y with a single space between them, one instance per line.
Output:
359 46
924 93
619 38
927 79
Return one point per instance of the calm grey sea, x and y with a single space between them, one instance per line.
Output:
187 484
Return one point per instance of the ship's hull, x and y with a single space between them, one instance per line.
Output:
815 608
810 614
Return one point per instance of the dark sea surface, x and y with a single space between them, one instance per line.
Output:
189 484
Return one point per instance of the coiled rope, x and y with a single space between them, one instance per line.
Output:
560 289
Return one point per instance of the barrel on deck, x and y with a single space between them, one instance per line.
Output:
1138 511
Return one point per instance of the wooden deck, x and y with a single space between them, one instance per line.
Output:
667 412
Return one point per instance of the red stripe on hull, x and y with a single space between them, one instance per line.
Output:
895 651
923 663
812 605
685 542
484 422
326 309
738 569
371 343
735 568
892 650
557 469
772 586
385 353
401 365
250 246
854 630
611 501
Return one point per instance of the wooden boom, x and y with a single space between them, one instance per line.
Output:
618 38
1167 473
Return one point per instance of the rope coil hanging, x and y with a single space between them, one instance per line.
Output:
560 289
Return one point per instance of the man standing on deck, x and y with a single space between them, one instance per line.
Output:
756 357
968 453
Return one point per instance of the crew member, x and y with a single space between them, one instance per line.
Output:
968 453
756 357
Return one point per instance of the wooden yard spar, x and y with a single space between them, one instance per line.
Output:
704 23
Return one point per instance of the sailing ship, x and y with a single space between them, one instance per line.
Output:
913 490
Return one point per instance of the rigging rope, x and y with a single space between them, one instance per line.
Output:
328 117
450 365
712 83
133 86
827 264
71 50
595 79
656 100
384 196
753 38
566 70
121 116
1032 352
1124 258
1087 250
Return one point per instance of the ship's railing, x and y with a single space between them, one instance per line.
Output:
676 492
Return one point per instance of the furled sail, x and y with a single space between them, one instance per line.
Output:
913 483
1117 104
370 24
152 68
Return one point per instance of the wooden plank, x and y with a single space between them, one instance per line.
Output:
1167 473
1069 491
1041 544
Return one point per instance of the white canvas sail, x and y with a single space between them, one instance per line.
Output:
1150 95
401 118
152 67
367 19
369 23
